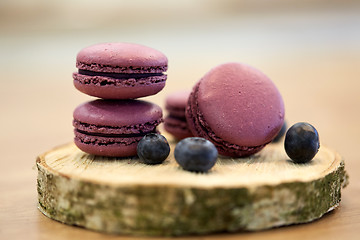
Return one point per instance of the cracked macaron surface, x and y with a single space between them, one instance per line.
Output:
114 127
120 71
236 107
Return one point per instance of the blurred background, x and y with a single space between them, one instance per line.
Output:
309 48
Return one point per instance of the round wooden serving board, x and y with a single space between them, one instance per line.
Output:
125 196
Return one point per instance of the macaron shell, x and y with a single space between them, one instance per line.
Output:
177 127
176 112
175 103
240 104
125 148
109 88
200 128
177 99
117 113
121 58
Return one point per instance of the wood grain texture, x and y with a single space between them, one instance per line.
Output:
123 195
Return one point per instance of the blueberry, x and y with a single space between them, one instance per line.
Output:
195 154
153 148
281 133
302 142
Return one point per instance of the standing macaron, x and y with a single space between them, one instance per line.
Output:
236 107
120 71
175 122
114 127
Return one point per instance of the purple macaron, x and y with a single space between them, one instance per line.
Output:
236 107
114 127
175 122
120 71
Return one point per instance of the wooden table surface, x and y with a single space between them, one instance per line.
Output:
37 100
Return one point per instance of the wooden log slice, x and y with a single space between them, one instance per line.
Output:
125 196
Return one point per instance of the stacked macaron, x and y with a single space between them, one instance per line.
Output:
118 73
175 122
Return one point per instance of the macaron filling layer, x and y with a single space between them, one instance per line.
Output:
143 128
107 139
110 81
176 112
119 75
176 122
108 135
204 130
96 67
